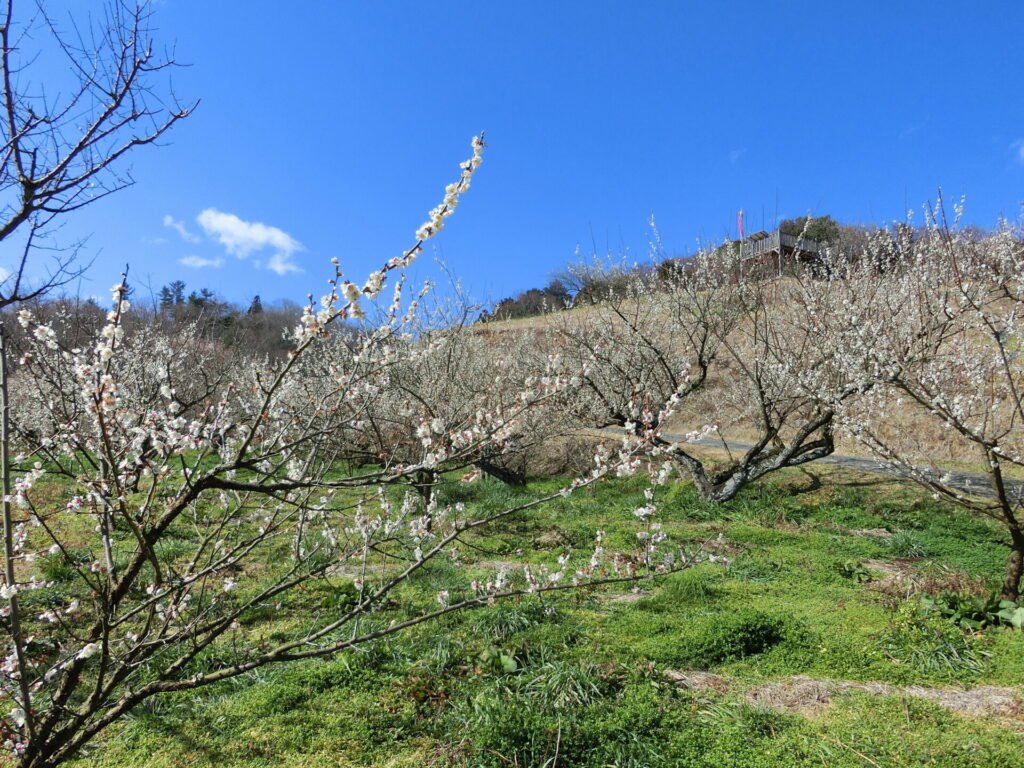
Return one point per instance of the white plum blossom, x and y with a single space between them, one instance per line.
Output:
446 208
89 650
182 464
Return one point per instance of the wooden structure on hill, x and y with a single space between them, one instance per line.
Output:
771 253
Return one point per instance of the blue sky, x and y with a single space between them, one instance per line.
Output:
337 124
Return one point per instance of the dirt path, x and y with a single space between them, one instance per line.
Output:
808 696
968 482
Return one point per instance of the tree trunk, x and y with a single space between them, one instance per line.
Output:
10 579
1015 566
424 482
506 475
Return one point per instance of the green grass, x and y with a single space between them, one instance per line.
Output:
582 676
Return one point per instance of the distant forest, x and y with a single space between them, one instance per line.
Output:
257 329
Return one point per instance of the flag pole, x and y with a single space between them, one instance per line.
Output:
739 223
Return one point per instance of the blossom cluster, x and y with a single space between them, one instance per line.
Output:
438 214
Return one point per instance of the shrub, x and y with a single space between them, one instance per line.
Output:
736 636
510 619
695 585
854 570
929 645
906 544
755 570
975 612
61 567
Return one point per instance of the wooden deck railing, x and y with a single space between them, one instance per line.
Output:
777 241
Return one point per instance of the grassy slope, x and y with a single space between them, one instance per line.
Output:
583 675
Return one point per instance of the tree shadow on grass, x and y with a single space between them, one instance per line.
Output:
813 484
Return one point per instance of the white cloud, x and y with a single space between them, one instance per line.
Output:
179 227
1018 150
198 262
4 274
242 238
281 264
736 154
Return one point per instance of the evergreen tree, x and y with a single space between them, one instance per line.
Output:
177 289
166 299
